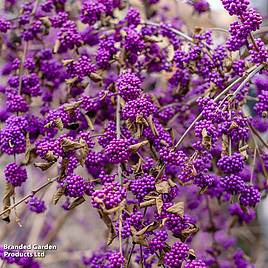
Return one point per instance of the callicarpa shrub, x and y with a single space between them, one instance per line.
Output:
158 128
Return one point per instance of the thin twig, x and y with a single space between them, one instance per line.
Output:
29 195
254 130
119 169
130 255
183 35
26 47
248 78
118 134
253 166
142 260
251 72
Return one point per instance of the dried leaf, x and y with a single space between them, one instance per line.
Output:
148 203
163 142
206 139
162 187
28 149
49 124
192 253
140 240
243 151
71 80
192 229
171 183
58 123
159 204
225 145
133 230
135 147
178 209
69 145
56 46
89 122
170 53
161 258
233 126
64 165
58 194
153 39
83 152
138 167
44 165
66 62
46 21
106 219
72 106
152 125
95 77
9 192
148 228
78 201
50 157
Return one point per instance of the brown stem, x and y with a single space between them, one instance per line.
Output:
130 255
29 195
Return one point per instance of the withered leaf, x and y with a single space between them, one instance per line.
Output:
161 258
56 46
178 209
148 228
28 149
72 106
58 123
152 125
162 187
118 208
83 152
192 253
49 124
95 77
171 53
107 221
78 201
140 240
171 183
206 139
64 165
71 80
89 122
243 151
135 147
137 167
44 165
192 229
58 194
50 157
66 62
153 39
9 192
147 203
225 145
46 21
233 125
69 145
159 204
